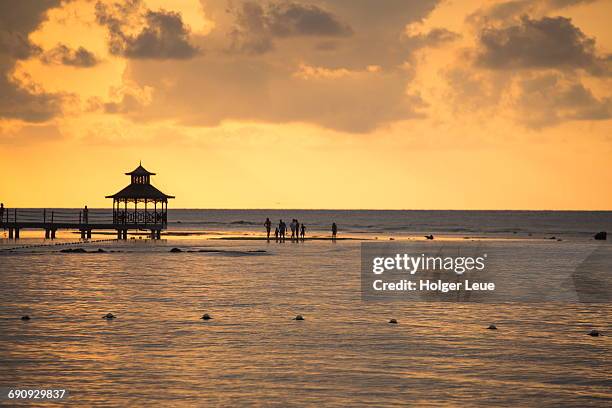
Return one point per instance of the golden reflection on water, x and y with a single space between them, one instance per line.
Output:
344 353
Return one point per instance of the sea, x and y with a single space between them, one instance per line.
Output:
344 352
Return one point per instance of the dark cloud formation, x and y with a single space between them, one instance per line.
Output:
24 101
550 42
432 38
163 36
549 99
257 25
513 9
64 55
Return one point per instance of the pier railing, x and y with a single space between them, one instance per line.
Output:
55 216
96 217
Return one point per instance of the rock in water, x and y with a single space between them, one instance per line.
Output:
601 236
593 333
109 316
206 316
176 250
393 321
492 327
26 317
429 236
298 317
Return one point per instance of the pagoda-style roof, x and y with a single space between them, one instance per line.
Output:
140 191
140 171
140 187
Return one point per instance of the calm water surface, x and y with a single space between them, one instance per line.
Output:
344 354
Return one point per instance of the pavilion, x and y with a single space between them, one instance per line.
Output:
140 205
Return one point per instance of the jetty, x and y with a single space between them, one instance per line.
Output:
138 206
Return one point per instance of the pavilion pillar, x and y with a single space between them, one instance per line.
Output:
10 233
16 233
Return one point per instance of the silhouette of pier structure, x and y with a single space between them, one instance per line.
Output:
139 206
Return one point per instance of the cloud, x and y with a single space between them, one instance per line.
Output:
512 10
163 34
549 99
256 26
23 100
432 38
550 42
64 55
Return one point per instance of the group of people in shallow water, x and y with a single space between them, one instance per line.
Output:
298 231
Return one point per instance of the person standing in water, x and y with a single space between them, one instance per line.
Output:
1 213
85 215
292 226
297 230
334 231
268 225
276 234
281 230
303 231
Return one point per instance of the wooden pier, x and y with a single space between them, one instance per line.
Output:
152 215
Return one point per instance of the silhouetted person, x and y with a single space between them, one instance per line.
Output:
85 215
276 234
1 213
297 230
281 230
292 226
268 225
334 230
303 231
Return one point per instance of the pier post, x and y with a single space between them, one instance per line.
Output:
153 235
124 234
16 233
82 234
10 233
118 234
158 234
47 232
88 234
52 234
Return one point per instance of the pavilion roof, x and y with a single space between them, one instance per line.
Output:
140 171
140 191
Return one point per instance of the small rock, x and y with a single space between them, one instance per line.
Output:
594 333
601 236
206 316
429 236
176 250
26 317
298 317
109 316
492 327
393 321
73 251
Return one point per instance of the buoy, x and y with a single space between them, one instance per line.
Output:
492 327
393 321
206 316
109 316
593 333
26 317
298 317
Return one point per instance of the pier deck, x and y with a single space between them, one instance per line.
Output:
51 220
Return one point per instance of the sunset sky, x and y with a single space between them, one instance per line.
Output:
390 104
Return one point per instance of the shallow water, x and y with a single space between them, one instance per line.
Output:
343 354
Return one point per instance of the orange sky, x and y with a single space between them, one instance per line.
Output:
309 103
